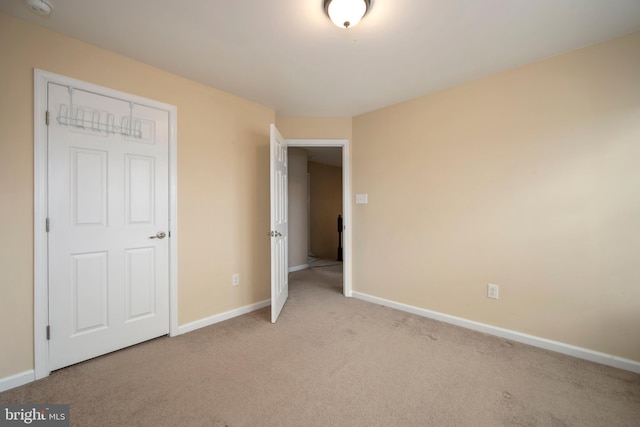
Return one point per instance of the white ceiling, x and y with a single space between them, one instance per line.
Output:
287 55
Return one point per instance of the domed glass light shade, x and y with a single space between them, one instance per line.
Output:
346 13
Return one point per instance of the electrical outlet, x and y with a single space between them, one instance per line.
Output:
235 279
493 291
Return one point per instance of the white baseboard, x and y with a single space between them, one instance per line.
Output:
17 380
208 321
559 347
298 268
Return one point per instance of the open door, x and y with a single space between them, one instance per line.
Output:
279 224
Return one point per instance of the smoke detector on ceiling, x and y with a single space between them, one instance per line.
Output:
40 7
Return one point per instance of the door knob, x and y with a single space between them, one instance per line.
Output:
160 235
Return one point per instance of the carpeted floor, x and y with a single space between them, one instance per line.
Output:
335 361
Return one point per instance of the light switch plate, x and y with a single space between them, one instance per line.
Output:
362 199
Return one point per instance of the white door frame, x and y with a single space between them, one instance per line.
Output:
40 202
346 200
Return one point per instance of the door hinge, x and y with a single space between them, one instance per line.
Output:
46 118
48 332
46 225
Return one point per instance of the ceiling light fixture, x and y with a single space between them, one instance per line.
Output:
346 13
40 7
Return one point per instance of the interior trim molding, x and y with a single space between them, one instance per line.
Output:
17 380
298 268
557 346
217 318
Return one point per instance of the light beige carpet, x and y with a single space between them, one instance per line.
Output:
334 361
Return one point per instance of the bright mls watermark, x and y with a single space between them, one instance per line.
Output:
34 415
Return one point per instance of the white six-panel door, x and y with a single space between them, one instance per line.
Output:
279 223
108 224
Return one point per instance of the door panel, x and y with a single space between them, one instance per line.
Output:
89 278
139 276
89 186
108 196
279 224
139 188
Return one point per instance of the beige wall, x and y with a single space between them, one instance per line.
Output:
528 179
223 184
298 212
300 127
326 204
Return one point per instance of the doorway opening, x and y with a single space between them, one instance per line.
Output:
325 192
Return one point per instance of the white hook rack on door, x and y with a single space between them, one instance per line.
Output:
103 122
